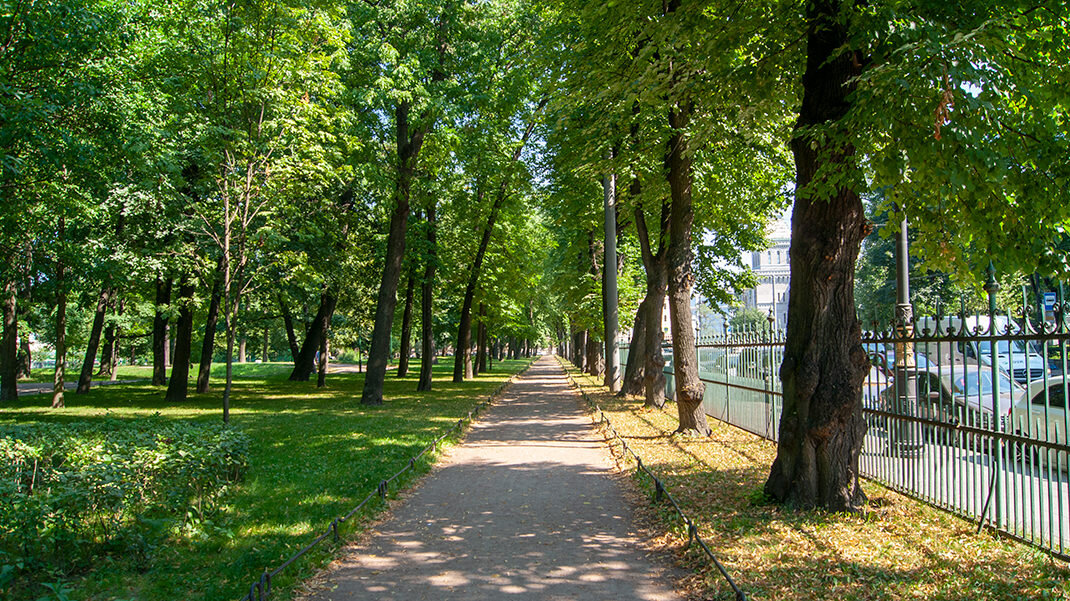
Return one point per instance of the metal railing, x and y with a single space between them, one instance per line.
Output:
660 491
260 590
974 422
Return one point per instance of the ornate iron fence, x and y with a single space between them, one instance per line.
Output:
967 413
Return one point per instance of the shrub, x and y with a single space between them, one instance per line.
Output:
72 491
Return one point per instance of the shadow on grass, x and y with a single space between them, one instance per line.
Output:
315 454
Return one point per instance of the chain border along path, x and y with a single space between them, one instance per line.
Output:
260 590
659 488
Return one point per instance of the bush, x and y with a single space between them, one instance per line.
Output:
70 492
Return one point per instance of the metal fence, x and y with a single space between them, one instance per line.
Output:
967 413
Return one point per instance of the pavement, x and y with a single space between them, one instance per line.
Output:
28 388
529 507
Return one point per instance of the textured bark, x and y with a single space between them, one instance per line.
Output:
204 370
408 147
9 348
405 348
579 349
288 323
242 345
159 332
85 380
178 384
427 288
305 364
59 375
689 389
822 427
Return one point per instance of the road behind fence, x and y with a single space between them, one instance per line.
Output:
978 436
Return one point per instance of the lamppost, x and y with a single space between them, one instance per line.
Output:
906 436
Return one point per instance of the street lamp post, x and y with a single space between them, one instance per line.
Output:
906 436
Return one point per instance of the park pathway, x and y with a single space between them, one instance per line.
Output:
527 508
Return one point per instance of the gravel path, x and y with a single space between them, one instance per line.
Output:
527 508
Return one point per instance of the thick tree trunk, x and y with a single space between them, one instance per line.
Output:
9 347
579 349
481 340
689 389
86 378
178 384
58 376
405 348
427 288
822 427
379 352
204 370
305 364
288 323
159 332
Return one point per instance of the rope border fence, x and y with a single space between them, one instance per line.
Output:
659 488
260 590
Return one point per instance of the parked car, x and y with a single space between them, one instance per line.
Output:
1040 414
1012 355
962 395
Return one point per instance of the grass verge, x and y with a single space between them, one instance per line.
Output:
900 548
315 453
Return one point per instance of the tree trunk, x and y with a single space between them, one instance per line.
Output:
242 344
305 364
652 361
204 370
9 347
406 327
427 288
822 427
25 359
595 367
86 378
481 340
159 332
689 389
609 285
108 354
408 147
324 362
178 384
58 376
579 350
288 322
632 382
266 345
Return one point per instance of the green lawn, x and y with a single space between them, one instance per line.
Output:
315 454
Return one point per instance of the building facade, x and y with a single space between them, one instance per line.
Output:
773 271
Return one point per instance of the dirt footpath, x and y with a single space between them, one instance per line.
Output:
527 508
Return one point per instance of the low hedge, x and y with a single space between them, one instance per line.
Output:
72 492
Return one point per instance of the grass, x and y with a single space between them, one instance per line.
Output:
315 454
899 549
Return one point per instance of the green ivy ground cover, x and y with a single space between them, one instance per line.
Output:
313 455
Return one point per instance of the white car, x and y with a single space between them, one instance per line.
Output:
1040 414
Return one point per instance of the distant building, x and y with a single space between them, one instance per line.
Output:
773 270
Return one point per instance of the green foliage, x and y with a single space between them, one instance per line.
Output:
74 491
748 320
